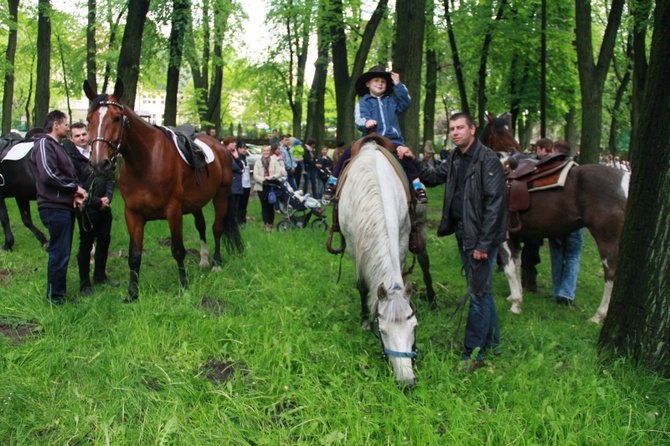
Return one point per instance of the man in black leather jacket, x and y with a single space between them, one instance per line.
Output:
95 219
475 210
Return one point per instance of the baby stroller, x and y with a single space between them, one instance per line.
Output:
299 210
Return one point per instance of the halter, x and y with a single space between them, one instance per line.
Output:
388 352
116 146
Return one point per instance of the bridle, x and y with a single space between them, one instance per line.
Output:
388 352
116 146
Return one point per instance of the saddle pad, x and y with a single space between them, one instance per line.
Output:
209 155
18 151
551 181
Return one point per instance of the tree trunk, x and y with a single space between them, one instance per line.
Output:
344 83
65 81
618 99
8 93
638 326
483 62
431 76
543 71
592 75
180 25
128 68
316 120
570 128
458 68
112 40
91 67
42 91
640 10
407 62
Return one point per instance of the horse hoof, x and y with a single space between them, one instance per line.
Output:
130 299
204 264
596 319
216 269
516 309
366 325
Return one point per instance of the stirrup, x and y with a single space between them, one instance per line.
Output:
421 196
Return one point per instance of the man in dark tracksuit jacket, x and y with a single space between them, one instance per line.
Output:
475 210
95 220
58 194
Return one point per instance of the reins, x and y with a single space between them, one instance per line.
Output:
116 146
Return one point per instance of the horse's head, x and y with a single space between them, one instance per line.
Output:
497 135
396 326
106 126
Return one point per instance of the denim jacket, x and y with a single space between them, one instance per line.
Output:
384 110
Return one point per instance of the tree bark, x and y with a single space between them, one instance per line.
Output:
10 54
344 82
91 67
543 71
407 63
592 75
431 76
180 25
640 10
112 40
638 326
128 68
316 119
458 67
42 91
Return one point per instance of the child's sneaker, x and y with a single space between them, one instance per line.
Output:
329 193
421 196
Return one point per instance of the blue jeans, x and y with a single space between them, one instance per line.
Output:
565 254
482 329
60 223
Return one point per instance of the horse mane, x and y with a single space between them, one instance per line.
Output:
377 241
396 309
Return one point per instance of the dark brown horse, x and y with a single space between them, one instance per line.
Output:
156 184
594 196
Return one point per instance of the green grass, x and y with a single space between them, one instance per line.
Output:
103 372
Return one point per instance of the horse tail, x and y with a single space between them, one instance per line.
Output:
232 238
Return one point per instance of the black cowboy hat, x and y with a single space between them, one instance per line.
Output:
376 71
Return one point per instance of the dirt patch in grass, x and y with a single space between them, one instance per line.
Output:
17 332
220 372
4 274
212 305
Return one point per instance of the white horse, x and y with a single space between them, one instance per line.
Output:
374 219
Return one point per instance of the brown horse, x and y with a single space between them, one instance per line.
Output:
156 184
594 196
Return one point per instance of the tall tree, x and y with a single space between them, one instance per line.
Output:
638 326
344 82
640 9
128 67
410 14
91 66
458 66
8 92
179 28
42 81
591 74
543 71
431 74
316 120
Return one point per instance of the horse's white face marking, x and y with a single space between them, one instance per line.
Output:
102 111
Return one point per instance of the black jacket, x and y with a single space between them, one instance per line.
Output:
484 197
103 187
55 176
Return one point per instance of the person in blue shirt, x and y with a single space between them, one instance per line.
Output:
383 98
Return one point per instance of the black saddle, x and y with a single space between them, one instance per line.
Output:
193 154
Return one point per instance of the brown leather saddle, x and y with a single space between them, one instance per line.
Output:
525 174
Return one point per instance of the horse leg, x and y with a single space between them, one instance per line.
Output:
609 259
424 262
366 323
200 226
220 203
510 255
135 226
176 223
24 208
4 218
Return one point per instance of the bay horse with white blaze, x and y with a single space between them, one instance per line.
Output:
157 184
374 220
593 196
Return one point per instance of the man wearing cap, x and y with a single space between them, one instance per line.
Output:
377 111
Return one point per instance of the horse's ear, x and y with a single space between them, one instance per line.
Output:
118 88
88 89
382 294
